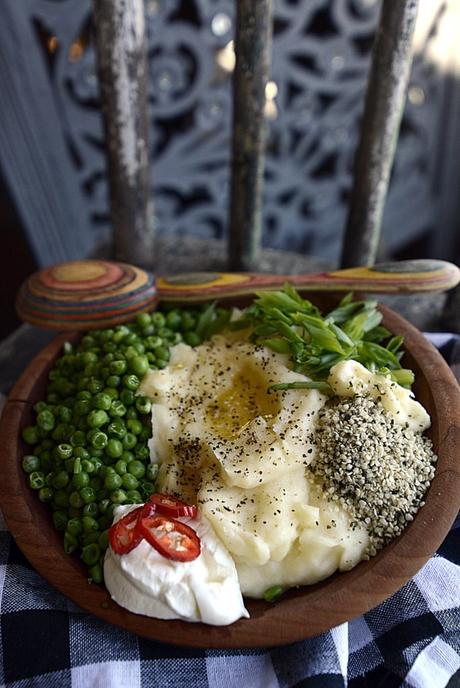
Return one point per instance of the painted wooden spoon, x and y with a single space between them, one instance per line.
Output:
89 294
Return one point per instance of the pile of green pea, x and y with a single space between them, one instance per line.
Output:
90 434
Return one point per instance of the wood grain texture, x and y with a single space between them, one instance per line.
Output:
300 613
85 294
395 277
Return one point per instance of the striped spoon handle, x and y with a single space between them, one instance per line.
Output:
410 276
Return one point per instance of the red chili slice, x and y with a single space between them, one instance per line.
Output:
169 506
172 539
123 535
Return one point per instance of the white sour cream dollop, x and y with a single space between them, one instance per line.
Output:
205 589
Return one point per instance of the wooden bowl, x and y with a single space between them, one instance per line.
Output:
300 613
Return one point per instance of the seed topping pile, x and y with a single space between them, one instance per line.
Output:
377 469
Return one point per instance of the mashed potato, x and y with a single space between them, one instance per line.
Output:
240 453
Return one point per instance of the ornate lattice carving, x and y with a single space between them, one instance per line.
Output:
320 59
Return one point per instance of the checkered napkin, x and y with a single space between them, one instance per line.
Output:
412 639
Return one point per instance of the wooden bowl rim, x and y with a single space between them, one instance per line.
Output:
301 613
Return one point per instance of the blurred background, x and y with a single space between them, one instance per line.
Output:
53 182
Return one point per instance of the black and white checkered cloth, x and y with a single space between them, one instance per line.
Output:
412 639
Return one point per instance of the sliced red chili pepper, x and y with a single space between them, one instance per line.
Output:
172 539
123 535
169 506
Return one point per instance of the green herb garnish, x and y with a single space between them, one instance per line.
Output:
286 323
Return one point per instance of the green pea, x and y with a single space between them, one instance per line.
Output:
102 401
129 440
78 439
103 505
118 497
89 524
118 367
97 417
138 365
131 413
82 407
143 320
174 320
46 421
113 381
95 385
134 497
146 489
36 480
62 432
143 405
61 480
30 435
74 526
65 414
76 466
130 352
64 451
104 373
60 520
40 406
117 428
134 426
127 397
81 452
162 352
131 382
69 464
153 342
61 498
161 363
141 452
75 500
188 321
96 574
158 319
84 394
30 463
88 466
97 463
80 480
128 456
117 409
121 467
45 494
137 469
165 333
87 494
192 339
112 481
114 448
95 483
90 554
120 332
104 539
99 439
91 508
129 481
70 543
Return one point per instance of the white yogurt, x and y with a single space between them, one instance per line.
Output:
205 589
